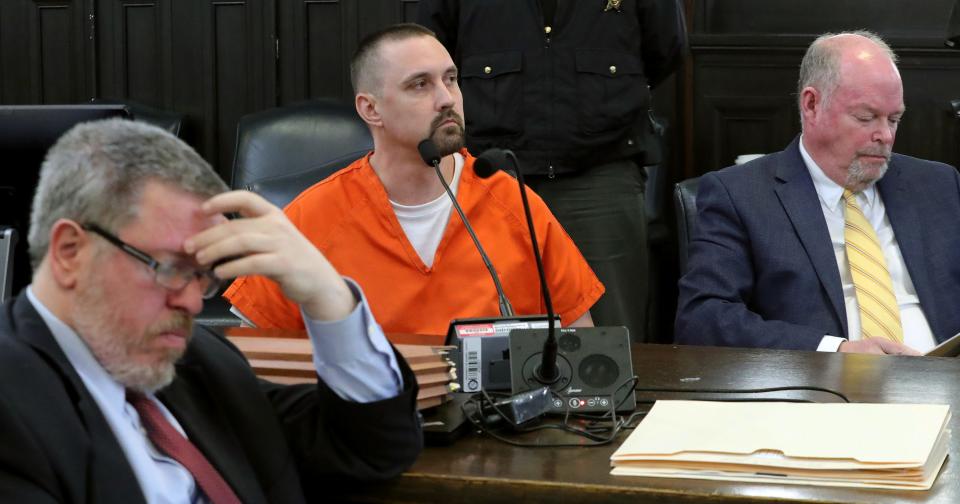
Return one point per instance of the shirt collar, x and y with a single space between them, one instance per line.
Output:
94 376
831 193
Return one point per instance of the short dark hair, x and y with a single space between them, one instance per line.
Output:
365 63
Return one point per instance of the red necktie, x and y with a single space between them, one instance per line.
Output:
169 440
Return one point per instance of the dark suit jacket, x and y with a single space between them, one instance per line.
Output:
762 269
271 443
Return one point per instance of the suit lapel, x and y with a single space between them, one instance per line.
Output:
109 477
907 224
802 206
202 420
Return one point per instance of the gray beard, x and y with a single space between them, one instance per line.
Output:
95 322
860 177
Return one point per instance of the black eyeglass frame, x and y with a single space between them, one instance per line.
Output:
209 291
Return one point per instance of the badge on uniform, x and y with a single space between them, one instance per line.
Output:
613 5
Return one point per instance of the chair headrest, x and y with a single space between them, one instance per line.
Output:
282 189
295 139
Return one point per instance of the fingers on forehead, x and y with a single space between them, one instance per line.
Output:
245 202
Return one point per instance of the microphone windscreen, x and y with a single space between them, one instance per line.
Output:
490 162
429 152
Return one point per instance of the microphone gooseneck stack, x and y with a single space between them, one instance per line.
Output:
588 369
430 155
483 344
485 166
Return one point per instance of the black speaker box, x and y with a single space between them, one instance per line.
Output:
595 366
482 355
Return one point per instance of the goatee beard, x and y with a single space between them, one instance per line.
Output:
449 138
859 176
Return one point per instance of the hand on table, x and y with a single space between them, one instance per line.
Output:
877 346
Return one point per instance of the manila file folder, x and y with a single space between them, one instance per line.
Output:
900 446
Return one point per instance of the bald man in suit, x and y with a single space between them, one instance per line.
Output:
769 266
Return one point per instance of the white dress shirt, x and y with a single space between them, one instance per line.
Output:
356 367
916 330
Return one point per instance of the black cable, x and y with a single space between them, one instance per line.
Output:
603 441
746 391
603 429
596 434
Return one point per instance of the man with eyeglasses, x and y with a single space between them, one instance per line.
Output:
172 276
107 392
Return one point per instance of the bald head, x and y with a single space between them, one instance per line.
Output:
367 61
851 103
834 55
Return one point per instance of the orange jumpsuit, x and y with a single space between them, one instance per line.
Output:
349 218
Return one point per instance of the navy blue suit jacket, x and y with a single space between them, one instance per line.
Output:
762 271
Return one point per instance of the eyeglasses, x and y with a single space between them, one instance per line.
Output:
171 276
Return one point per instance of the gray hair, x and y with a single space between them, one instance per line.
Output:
366 62
820 67
96 173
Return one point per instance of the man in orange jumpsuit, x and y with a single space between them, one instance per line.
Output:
385 220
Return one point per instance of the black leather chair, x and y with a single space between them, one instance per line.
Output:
685 202
8 240
168 120
281 152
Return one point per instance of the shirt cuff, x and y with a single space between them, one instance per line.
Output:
830 343
352 356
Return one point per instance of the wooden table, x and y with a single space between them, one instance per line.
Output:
479 469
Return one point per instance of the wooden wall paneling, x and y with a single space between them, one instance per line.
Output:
47 51
51 65
685 109
318 37
189 64
136 59
929 130
63 42
326 64
6 42
314 37
228 68
238 71
891 18
18 48
371 15
747 125
408 11
744 104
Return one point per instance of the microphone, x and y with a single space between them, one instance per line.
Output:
492 161
430 155
485 166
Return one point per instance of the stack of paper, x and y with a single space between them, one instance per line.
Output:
898 446
290 360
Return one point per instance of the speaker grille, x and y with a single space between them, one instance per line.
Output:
599 371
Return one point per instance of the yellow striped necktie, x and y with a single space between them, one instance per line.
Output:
879 312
